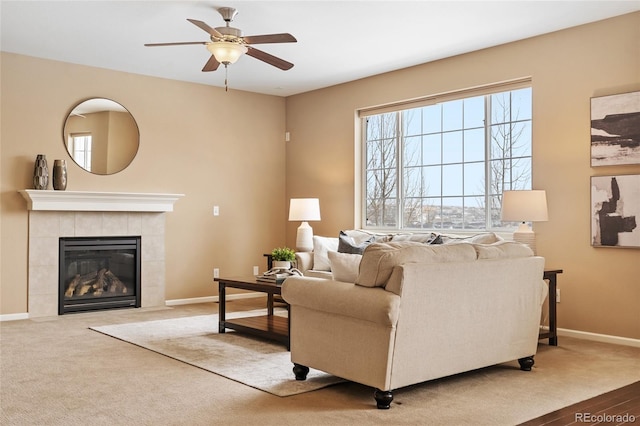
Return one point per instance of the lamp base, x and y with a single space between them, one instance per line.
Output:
304 237
525 235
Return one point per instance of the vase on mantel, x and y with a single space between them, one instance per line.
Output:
59 175
41 172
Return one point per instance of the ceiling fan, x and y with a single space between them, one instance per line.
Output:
228 44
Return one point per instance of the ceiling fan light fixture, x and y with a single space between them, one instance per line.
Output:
226 52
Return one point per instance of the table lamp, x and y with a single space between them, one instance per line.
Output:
525 206
304 209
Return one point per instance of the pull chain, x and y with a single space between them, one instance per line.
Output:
226 73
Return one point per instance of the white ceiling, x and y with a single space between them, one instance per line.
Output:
338 41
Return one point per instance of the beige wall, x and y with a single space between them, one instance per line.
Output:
227 149
600 288
217 148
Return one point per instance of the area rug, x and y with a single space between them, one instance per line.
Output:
195 340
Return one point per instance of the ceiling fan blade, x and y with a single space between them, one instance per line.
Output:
269 59
270 38
211 65
180 43
212 31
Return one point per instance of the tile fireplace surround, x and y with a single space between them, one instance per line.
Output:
55 214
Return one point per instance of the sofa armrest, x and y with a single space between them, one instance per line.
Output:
304 259
345 299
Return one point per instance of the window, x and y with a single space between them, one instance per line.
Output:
445 165
80 147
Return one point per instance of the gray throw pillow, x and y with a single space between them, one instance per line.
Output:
347 244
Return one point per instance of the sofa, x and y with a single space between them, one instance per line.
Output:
416 312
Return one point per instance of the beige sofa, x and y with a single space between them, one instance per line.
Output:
418 312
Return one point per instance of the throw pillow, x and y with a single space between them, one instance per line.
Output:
429 238
344 266
321 246
360 236
485 238
347 244
379 259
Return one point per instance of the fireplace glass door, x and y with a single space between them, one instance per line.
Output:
99 273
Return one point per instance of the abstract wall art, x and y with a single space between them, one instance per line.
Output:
615 129
615 211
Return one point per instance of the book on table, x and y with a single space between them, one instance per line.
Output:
272 278
277 275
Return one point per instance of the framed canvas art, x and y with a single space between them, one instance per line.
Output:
615 211
615 129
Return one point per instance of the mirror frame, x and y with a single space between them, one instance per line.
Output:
116 134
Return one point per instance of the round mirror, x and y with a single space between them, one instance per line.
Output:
101 136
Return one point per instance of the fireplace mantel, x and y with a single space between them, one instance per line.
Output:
83 201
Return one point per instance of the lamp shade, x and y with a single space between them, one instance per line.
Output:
304 209
226 52
524 206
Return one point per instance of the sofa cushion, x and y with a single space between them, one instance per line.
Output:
321 246
502 250
379 259
347 244
344 266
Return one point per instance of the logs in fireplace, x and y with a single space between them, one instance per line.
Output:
99 273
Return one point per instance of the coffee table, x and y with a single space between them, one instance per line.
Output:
269 326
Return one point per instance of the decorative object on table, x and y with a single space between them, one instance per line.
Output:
304 209
524 206
615 129
615 208
41 172
59 175
277 275
282 257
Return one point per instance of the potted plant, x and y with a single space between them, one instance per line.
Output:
282 257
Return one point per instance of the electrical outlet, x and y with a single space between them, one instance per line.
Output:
255 270
216 273
557 295
216 210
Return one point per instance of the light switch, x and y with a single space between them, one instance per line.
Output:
216 210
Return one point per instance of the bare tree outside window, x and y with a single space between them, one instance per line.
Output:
381 173
439 166
510 165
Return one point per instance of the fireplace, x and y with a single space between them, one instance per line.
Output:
65 214
98 273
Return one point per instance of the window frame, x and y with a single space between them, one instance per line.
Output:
399 108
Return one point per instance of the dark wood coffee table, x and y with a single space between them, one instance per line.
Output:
269 326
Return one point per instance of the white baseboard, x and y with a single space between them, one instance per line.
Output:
605 338
14 317
209 299
174 302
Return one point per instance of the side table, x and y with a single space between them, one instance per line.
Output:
552 334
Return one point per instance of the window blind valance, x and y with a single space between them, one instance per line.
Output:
502 86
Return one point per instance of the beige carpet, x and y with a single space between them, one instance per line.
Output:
57 372
195 340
